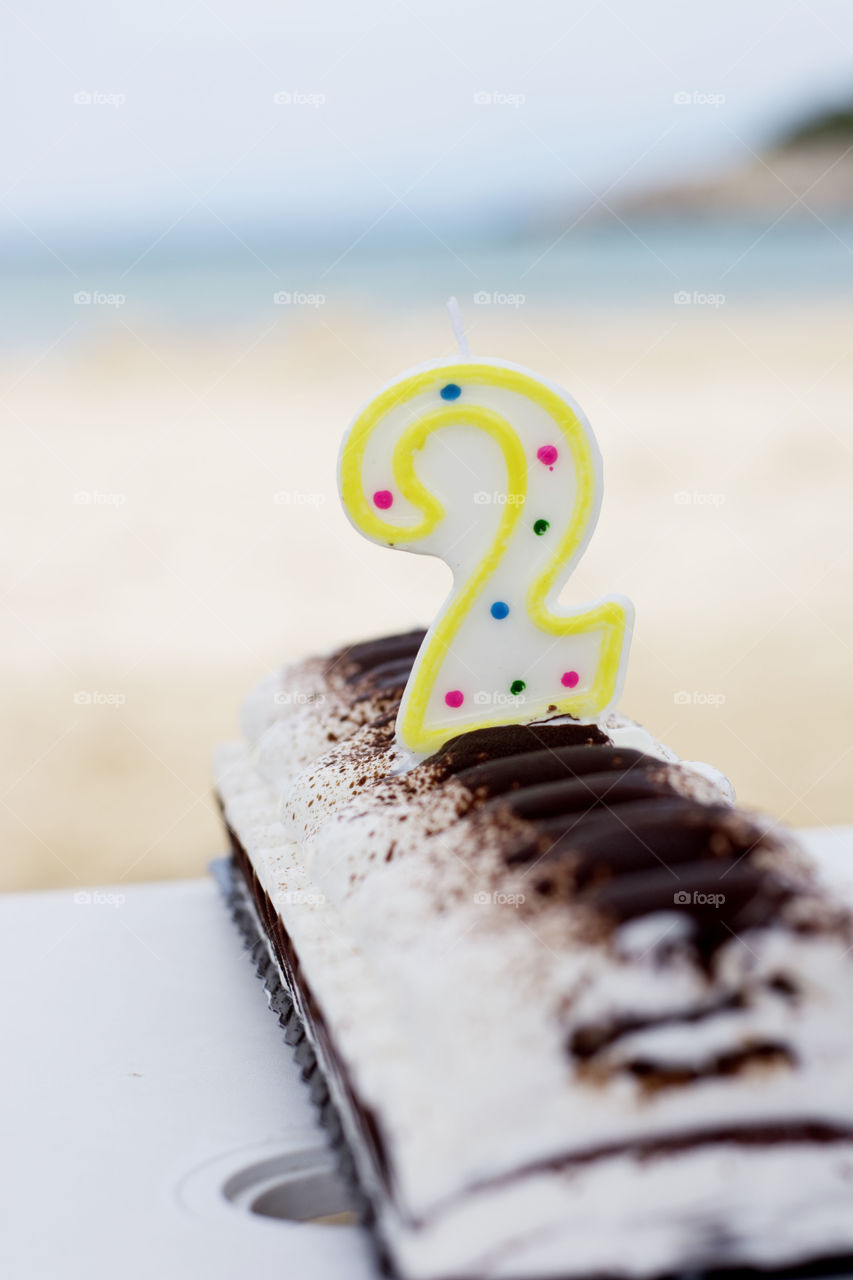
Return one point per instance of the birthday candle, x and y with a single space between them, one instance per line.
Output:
495 471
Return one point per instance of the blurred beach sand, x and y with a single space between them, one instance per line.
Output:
173 532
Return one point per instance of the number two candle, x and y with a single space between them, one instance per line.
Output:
495 471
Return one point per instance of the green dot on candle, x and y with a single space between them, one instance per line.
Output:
541 526
517 686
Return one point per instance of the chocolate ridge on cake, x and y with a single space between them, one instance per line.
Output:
578 1014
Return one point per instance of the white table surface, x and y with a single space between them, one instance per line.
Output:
142 1071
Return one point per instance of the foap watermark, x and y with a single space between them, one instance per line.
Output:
698 98
98 898
98 98
696 298
293 298
684 898
298 498
696 498
95 298
485 298
298 698
95 698
496 899
698 698
499 98
482 498
298 98
497 698
302 898
97 498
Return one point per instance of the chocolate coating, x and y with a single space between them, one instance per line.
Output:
359 658
497 776
513 740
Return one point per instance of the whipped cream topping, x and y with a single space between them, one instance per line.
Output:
501 1039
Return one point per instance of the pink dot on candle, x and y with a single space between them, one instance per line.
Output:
455 698
548 455
383 499
569 679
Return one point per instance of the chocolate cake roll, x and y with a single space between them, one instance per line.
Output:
576 1013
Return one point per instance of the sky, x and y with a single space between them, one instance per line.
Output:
173 112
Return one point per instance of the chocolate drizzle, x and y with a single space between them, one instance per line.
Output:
608 832
654 1075
386 678
515 741
588 1040
358 659
551 764
371 677
579 796
606 828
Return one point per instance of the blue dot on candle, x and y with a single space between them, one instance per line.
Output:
499 609
451 391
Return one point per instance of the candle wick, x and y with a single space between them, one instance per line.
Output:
458 328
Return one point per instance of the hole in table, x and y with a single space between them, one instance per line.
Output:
296 1187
